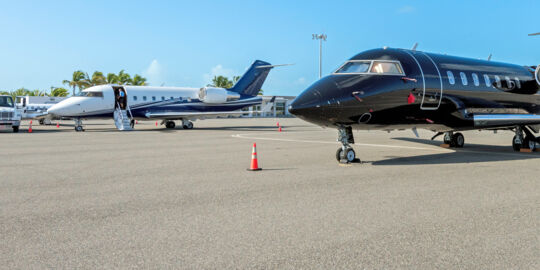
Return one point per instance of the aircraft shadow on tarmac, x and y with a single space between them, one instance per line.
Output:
471 153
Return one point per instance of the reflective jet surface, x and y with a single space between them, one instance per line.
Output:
126 103
386 89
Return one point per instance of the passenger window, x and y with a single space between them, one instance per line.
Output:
487 80
386 68
134 98
463 78
475 79
162 98
518 83
144 98
153 98
172 98
451 79
498 81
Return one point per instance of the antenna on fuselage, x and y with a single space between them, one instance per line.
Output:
414 46
489 57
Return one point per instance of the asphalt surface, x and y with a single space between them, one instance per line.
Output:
157 198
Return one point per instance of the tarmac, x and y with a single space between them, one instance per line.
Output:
159 198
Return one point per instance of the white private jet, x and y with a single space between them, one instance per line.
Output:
125 103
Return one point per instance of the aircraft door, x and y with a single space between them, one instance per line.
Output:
431 81
120 98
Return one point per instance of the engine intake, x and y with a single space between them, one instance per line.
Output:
217 95
537 75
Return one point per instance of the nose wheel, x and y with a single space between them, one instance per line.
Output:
345 154
78 125
524 142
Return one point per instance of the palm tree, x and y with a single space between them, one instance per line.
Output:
79 79
124 78
59 92
98 78
112 78
221 81
36 93
138 80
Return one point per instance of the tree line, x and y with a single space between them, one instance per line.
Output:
81 80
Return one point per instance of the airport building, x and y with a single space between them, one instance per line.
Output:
279 109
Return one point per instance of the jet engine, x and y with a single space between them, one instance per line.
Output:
217 95
537 75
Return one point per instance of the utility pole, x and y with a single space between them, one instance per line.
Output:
321 38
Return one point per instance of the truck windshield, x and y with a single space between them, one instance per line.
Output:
6 102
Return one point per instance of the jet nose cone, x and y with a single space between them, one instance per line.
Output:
56 109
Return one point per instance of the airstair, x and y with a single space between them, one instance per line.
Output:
122 120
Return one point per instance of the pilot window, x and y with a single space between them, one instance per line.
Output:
487 80
153 98
144 98
518 83
134 98
463 78
386 68
475 79
90 94
451 79
498 81
355 67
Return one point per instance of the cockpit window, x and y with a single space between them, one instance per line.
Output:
371 67
355 67
386 68
6 102
90 94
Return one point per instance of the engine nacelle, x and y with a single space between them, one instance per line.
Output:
217 95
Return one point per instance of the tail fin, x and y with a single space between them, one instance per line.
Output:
251 82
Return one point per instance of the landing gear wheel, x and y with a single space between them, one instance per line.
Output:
41 121
517 143
188 125
348 157
170 124
79 128
458 140
447 138
529 143
15 129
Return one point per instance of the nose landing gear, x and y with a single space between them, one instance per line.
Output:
78 125
345 154
524 142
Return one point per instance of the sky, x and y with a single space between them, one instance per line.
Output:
186 43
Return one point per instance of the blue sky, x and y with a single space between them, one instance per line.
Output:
185 43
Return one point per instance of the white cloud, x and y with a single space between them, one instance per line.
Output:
219 70
406 9
154 73
300 81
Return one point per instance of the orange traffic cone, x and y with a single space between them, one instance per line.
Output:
57 125
278 124
156 123
279 129
254 163
136 122
30 128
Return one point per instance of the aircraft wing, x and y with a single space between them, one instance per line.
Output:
199 115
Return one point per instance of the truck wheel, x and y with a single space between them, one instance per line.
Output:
15 129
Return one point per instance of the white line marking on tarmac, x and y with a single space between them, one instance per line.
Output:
438 149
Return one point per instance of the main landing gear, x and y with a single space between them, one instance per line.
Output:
454 139
78 125
345 154
526 142
185 124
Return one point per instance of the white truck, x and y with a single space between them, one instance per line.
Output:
9 114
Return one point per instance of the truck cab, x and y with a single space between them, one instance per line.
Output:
9 114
